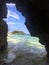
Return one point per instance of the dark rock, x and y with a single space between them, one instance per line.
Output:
18 32
3 28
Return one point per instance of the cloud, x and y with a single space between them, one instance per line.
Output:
10 4
13 23
12 14
10 23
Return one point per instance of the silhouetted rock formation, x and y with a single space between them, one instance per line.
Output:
18 32
37 17
3 28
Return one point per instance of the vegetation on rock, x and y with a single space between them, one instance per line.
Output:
18 32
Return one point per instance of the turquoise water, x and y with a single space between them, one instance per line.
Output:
23 50
25 37
28 39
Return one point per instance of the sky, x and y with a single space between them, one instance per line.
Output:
14 19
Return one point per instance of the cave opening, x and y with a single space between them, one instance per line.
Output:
26 44
15 20
16 24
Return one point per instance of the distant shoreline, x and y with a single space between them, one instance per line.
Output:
18 33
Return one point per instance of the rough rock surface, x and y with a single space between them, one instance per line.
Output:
3 28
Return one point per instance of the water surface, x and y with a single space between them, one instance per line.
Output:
23 50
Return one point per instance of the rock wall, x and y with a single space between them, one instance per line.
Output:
3 28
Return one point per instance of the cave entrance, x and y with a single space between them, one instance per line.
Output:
15 21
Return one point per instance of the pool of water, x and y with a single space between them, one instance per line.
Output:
23 50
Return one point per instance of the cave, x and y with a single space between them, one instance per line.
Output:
36 13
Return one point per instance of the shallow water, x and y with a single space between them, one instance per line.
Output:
23 50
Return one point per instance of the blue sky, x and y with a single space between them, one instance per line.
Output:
15 20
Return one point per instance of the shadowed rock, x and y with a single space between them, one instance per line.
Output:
3 28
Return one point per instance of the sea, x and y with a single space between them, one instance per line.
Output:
23 50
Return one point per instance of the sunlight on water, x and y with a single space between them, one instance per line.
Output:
24 50
30 41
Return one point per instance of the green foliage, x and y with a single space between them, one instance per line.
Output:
18 32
